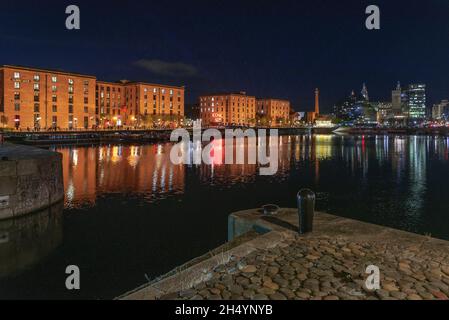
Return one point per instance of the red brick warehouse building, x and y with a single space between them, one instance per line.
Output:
228 109
277 111
32 98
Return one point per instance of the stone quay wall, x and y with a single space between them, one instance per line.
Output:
30 180
329 263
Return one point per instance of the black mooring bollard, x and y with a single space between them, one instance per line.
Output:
306 210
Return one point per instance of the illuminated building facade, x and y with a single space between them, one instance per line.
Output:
46 99
110 103
440 111
41 99
135 104
416 101
236 109
383 111
276 109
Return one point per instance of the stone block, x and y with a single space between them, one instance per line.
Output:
7 168
27 167
8 186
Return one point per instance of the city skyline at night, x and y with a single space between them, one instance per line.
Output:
283 50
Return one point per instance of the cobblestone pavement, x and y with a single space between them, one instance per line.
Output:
324 268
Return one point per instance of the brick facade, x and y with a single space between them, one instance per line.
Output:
277 109
228 109
36 98
33 98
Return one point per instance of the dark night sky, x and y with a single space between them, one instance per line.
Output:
268 48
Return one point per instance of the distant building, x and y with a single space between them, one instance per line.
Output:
356 109
324 121
297 117
228 109
384 111
416 101
365 92
440 111
396 100
312 115
276 109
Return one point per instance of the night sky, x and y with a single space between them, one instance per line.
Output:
280 49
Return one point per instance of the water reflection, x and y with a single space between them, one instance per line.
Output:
90 171
27 240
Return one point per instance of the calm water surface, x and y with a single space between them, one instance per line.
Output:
130 215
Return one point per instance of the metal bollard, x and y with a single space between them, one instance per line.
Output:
306 209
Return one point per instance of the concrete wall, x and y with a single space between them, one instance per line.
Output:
30 180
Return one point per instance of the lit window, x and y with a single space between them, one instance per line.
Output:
163 91
155 90
54 79
171 92
36 86
16 75
37 77
16 85
70 81
54 88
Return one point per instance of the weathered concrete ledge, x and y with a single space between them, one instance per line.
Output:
193 274
328 264
30 180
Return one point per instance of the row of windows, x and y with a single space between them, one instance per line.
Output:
54 108
222 109
275 108
154 112
54 119
213 104
162 106
108 95
54 88
226 99
108 89
54 79
54 98
145 90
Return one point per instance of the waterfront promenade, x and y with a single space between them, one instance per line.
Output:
136 135
327 264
